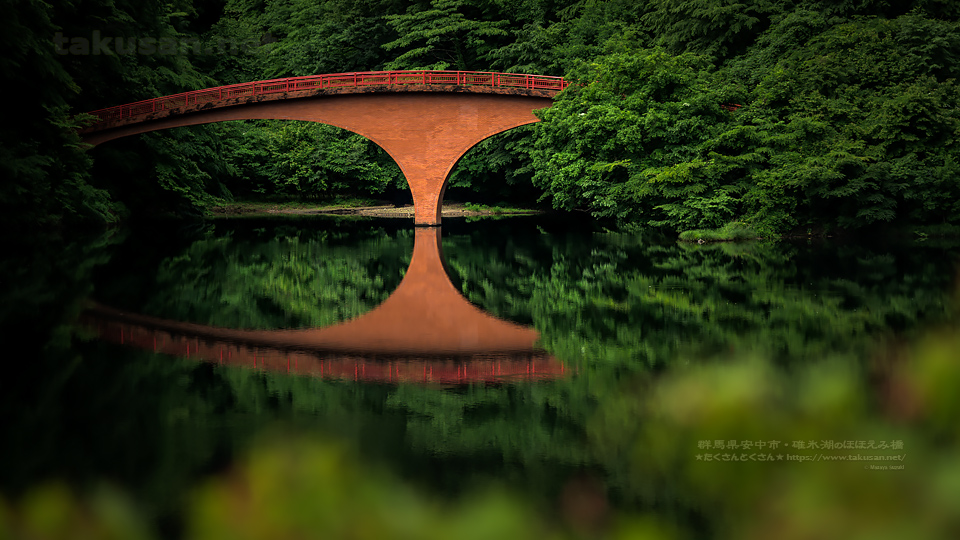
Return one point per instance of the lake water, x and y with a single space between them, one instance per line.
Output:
518 353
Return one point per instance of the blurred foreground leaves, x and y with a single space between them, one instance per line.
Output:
647 434
907 396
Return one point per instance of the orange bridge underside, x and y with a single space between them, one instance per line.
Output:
426 133
425 326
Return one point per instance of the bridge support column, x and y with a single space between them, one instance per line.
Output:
428 133
427 184
427 188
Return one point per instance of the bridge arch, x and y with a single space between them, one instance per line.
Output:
426 121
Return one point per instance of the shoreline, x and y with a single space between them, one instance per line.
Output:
452 209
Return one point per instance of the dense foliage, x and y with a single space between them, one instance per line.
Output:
820 123
783 114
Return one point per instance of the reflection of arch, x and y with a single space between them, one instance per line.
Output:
425 330
425 128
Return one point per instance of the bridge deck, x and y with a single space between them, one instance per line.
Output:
327 84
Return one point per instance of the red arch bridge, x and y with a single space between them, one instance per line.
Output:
425 120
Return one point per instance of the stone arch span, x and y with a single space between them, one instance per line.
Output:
425 132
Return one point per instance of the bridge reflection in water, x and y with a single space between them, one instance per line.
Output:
426 331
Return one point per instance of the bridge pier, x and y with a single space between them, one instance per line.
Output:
425 132
427 205
428 133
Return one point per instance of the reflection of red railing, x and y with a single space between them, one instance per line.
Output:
334 80
476 368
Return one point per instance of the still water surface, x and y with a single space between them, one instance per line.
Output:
505 356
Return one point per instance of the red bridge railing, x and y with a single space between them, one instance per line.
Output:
334 80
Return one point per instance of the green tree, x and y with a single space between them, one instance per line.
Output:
305 160
444 36
715 27
46 180
330 37
629 142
